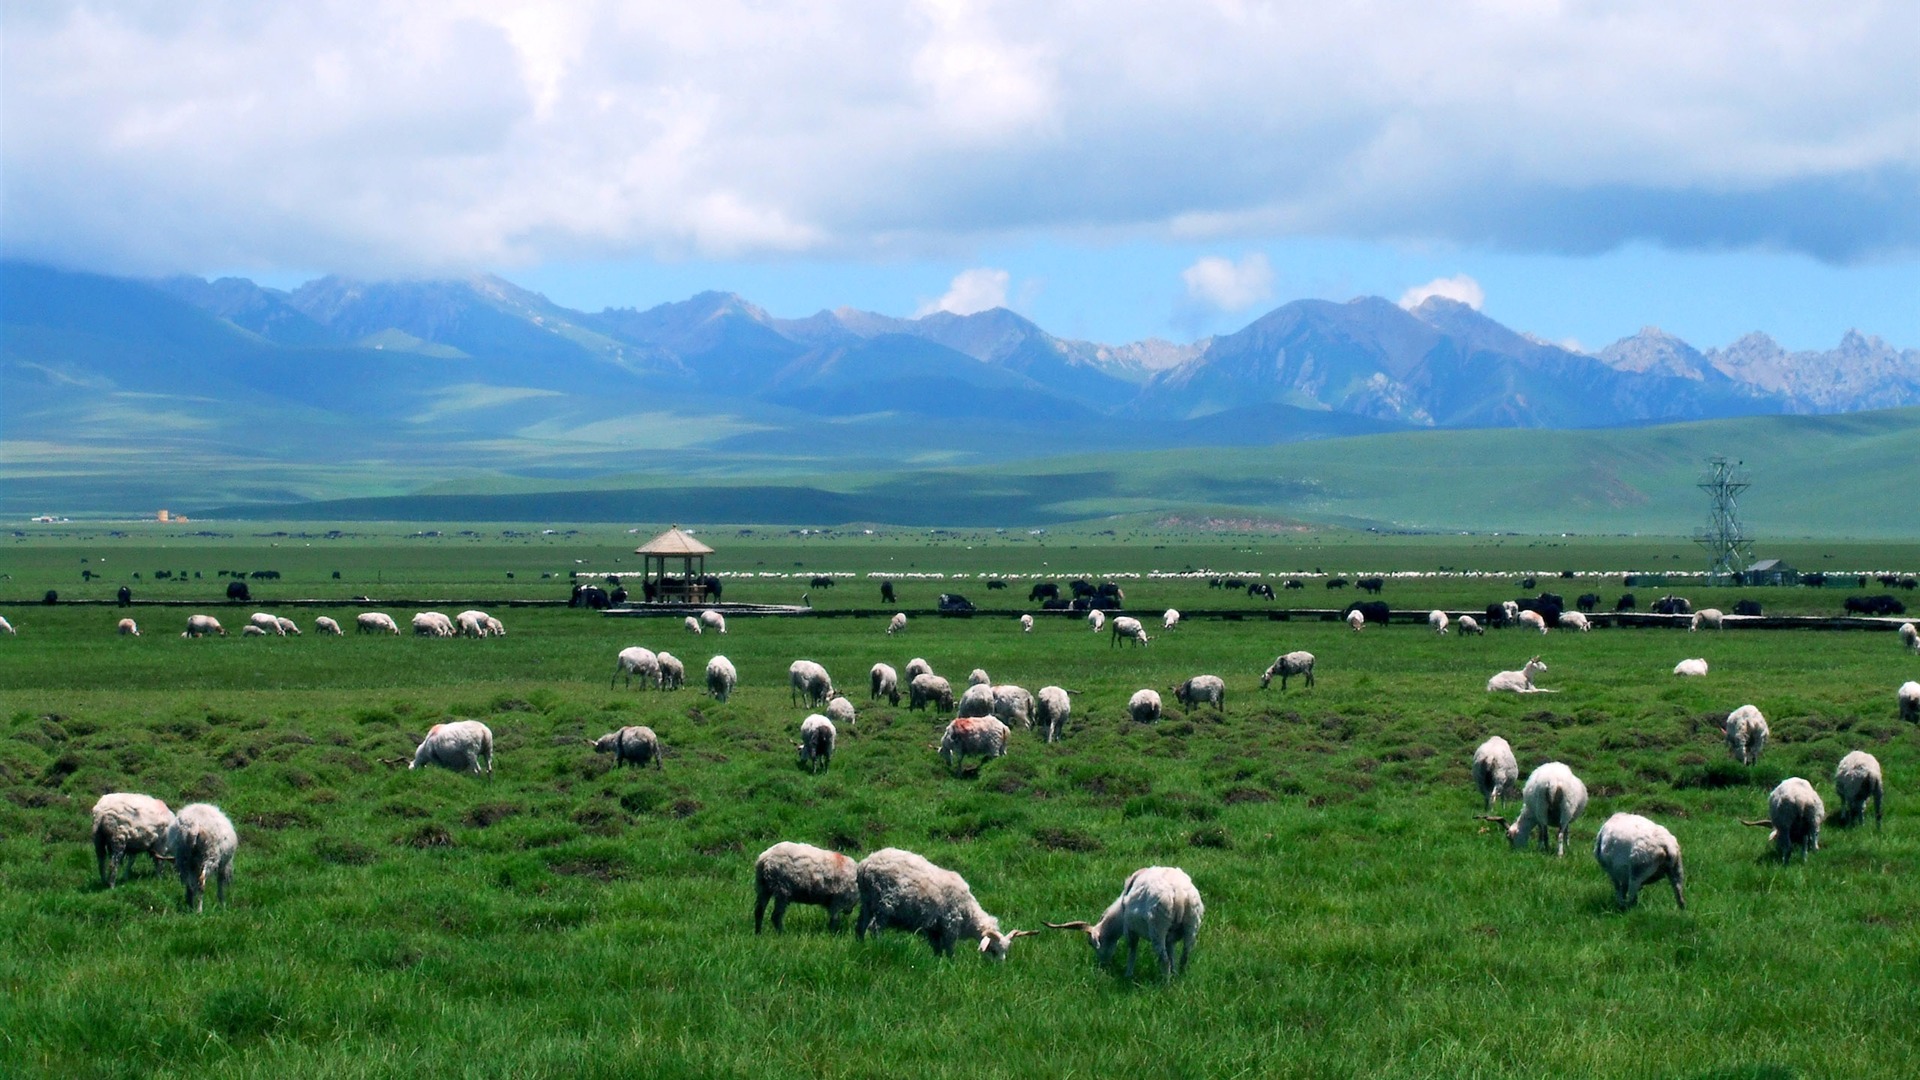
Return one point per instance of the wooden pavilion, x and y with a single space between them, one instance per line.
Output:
673 546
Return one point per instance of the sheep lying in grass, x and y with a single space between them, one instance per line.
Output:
900 890
1202 690
201 626
375 622
1158 904
1519 682
1471 625
1052 707
1794 812
1026 624
713 621
897 623
201 843
1129 627
927 688
1551 801
126 824
251 630
1909 698
1436 621
982 736
1495 771
1170 620
1287 665
915 667
1910 637
1356 620
693 625
790 873
1096 620
884 682
635 745
721 678
324 625
1533 620
1746 732
460 745
1144 706
1856 779
1634 852
1574 620
817 736
128 628
1695 667
635 660
1711 618
673 673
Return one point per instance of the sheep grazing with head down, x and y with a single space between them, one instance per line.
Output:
884 682
1436 621
897 623
713 621
1287 665
1794 813
201 626
1711 618
1170 620
1533 620
1144 706
721 678
1574 620
635 745
1855 780
1552 799
840 711
673 673
929 688
472 623
790 873
201 843
1013 705
432 624
976 700
375 622
1096 620
692 624
1746 732
1694 667
900 890
1026 624
1495 770
981 736
817 736
128 628
126 824
1128 627
1356 620
288 628
1158 904
807 679
1052 707
1471 625
1519 682
1635 852
324 625
7 627
460 745
1909 698
268 623
1910 637
915 667
1202 690
635 660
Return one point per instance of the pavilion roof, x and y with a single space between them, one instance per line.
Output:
673 542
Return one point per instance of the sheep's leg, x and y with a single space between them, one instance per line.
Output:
225 879
1133 950
760 910
1164 949
1632 896
1186 947
780 914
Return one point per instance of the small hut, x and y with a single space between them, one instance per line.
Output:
1770 572
687 555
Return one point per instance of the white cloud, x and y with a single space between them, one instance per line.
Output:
1227 286
981 289
1459 288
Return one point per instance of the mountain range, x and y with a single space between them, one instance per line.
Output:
115 390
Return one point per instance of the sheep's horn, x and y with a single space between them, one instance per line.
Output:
164 858
1075 925
1492 818
1022 933
1758 824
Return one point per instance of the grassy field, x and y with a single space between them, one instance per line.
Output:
570 919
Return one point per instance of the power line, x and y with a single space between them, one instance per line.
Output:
1729 550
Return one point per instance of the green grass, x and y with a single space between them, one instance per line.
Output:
566 918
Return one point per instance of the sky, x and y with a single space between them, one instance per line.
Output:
1114 170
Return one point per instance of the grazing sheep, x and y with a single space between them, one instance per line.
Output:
1746 732
1710 618
903 891
288 628
128 628
251 630
840 711
1854 780
634 745
495 628
1552 799
1909 637
979 677
1356 620
374 622
1052 707
897 623
324 625
1287 665
885 682
1126 626
471 623
202 625
817 735
1096 620
790 873
1144 706
432 624
976 700
5 626
984 736
1695 667
1436 621
1794 811
1026 624
1471 625
806 679
1519 682
126 824
268 623
1158 904
693 627
1494 770
721 678
713 621
1013 705
1634 852
916 667
635 660
1202 690
1533 619
929 688
1574 620
460 745
201 841
1170 620
1909 697
673 673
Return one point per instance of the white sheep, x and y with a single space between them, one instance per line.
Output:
1519 682
713 621
126 824
1202 690
460 745
1436 621
375 622
1158 904
288 627
251 630
1746 732
721 678
1026 624
1052 707
808 680
1126 626
634 745
1495 770
1909 697
976 700
983 736
1909 637
201 842
1287 665
1634 852
840 711
900 890
897 623
930 688
495 628
883 682
1013 705
979 677
693 626
1552 799
201 626
1711 618
817 736
269 623
1694 667
1169 620
673 673
1096 620
1855 780
1144 706
325 625
1511 610
1534 620
433 624
636 660
1471 625
915 667
1356 621
5 626
1794 812
790 873
128 628
1575 620
471 623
